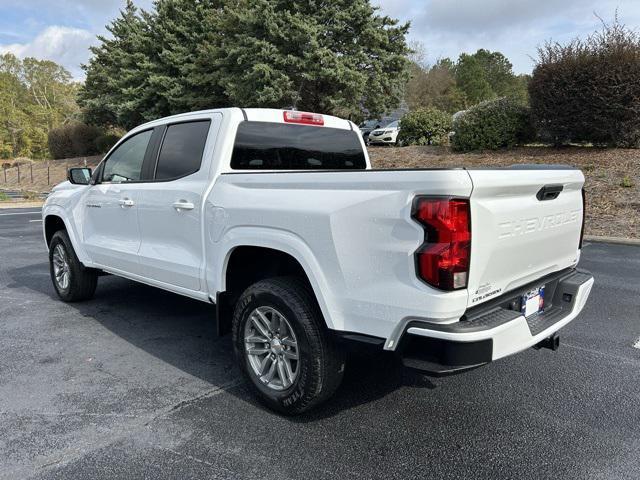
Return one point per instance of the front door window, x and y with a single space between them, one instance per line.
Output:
125 162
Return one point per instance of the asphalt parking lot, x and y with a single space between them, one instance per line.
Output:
133 385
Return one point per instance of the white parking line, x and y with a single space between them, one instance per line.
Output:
618 358
39 212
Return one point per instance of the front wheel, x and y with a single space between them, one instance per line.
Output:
283 347
72 280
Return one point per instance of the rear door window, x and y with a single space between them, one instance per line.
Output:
182 149
276 146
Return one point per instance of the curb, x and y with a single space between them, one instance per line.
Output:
4 205
616 240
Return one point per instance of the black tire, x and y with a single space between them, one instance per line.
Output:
321 361
82 281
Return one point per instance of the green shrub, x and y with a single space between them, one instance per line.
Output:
494 124
83 139
59 142
589 90
425 126
106 141
34 143
73 140
6 150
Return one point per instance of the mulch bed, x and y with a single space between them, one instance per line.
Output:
612 176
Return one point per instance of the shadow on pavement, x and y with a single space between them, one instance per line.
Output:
181 332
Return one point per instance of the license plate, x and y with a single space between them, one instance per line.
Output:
532 302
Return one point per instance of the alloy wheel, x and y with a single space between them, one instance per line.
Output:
271 348
61 269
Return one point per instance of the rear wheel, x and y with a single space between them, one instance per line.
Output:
72 280
283 347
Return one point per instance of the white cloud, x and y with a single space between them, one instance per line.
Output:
58 30
64 45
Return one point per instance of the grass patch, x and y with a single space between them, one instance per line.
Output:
3 197
626 182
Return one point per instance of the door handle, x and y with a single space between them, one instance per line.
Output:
126 202
183 205
549 192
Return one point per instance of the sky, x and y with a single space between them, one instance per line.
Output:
62 30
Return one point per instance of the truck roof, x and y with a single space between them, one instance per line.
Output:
252 114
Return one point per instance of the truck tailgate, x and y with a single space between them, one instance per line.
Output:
517 234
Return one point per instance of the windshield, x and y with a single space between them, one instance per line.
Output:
370 124
393 124
278 146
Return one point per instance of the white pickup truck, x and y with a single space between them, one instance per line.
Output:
277 218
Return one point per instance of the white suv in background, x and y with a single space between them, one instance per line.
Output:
386 135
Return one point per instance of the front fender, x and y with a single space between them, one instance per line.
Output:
284 241
74 235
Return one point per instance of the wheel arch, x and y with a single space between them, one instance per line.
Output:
247 264
52 224
54 218
280 254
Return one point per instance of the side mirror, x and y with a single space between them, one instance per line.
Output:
79 176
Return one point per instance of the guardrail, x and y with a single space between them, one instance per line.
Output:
18 195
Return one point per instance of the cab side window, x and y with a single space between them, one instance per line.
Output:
125 162
182 149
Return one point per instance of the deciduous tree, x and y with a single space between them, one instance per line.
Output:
35 96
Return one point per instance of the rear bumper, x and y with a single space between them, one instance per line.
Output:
382 139
493 331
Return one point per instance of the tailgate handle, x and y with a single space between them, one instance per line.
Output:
549 192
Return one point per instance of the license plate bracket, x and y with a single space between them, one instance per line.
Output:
532 302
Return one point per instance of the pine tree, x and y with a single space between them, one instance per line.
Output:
471 78
337 57
179 30
485 75
117 90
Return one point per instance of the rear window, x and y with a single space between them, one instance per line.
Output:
276 146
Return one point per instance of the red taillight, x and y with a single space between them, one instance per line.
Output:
443 260
304 118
